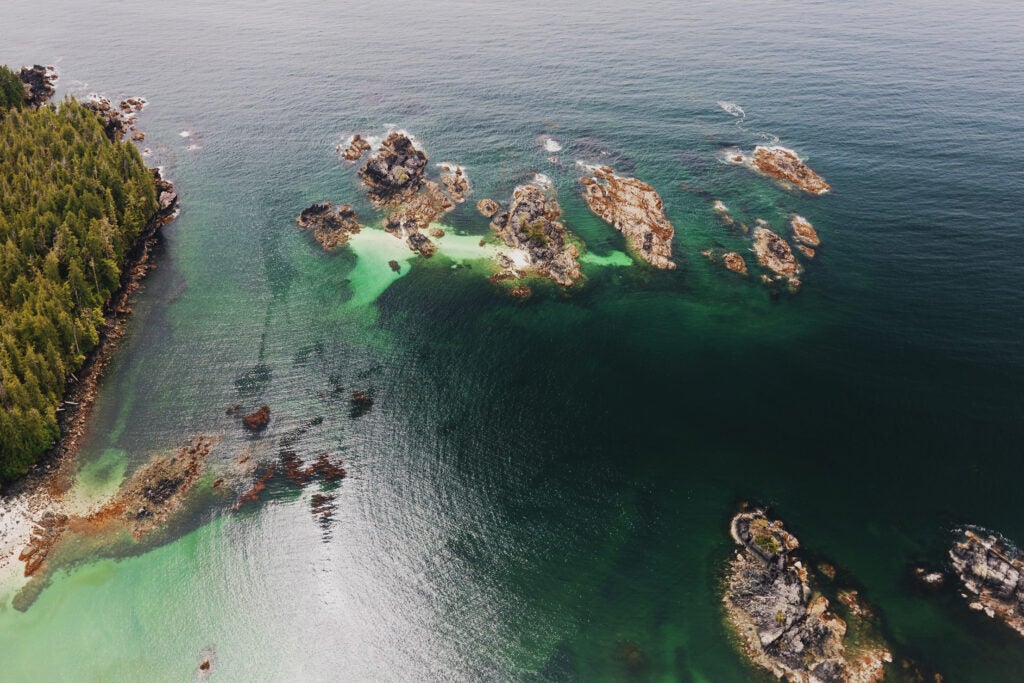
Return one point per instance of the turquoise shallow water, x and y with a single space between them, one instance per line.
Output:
542 488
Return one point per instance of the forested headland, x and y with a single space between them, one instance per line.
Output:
72 204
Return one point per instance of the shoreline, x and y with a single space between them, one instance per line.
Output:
44 486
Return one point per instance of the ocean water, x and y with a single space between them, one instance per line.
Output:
542 489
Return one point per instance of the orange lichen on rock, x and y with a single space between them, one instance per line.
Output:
636 210
784 164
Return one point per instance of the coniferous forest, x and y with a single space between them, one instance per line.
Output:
71 204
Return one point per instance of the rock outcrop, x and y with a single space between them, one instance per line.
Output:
774 254
541 244
487 207
991 569
735 262
423 208
332 226
355 149
455 181
803 231
257 421
784 164
785 625
38 82
394 174
634 209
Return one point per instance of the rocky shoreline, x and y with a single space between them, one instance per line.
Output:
991 570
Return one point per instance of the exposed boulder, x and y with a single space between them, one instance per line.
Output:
991 569
784 164
355 149
735 262
455 181
487 207
803 231
774 254
784 624
332 226
635 209
541 244
395 173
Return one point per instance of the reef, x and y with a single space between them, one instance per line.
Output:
38 81
992 572
542 244
355 149
487 207
784 164
635 209
332 226
394 174
784 624
774 254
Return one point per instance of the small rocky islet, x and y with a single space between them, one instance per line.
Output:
783 621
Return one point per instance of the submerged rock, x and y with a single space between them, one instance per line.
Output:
38 82
784 164
355 149
258 420
635 209
395 173
785 626
541 244
774 254
332 226
992 571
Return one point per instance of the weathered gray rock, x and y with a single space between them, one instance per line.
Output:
784 625
992 571
531 228
394 174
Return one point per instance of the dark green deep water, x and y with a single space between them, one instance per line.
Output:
542 489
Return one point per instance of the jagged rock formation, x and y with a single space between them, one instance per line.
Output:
784 626
455 181
356 148
634 209
38 81
394 174
487 207
735 262
784 164
774 254
332 226
541 243
992 571
167 197
117 119
416 215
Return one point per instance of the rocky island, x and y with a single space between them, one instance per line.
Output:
784 164
410 219
395 173
784 624
635 209
804 235
332 226
774 254
356 148
991 569
540 242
